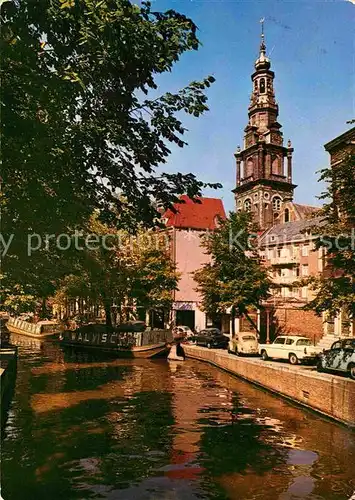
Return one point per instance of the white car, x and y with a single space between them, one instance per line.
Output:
294 348
340 357
244 343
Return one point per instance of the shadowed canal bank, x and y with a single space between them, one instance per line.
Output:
331 396
82 428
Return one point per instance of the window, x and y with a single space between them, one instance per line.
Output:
304 269
305 250
304 292
304 342
247 205
280 340
276 203
289 341
297 271
287 215
336 345
262 86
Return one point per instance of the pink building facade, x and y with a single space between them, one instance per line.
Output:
185 226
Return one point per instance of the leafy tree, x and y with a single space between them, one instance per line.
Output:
122 268
155 276
235 278
16 301
335 289
82 122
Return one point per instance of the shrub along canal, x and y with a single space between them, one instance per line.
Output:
82 428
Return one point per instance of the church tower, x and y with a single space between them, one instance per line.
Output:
261 182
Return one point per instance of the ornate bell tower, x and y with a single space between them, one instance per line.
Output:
261 183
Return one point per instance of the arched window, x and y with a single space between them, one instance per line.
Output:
276 204
287 215
262 86
247 205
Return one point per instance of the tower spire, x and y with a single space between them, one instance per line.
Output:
262 37
262 61
261 181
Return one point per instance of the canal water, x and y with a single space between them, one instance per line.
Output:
83 428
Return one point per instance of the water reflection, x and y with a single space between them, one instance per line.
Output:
86 428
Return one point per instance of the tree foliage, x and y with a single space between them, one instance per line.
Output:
335 289
234 279
121 269
80 125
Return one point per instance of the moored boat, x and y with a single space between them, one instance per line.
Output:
123 341
41 329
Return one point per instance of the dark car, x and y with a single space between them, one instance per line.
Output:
340 358
211 337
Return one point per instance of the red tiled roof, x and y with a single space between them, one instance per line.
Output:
192 215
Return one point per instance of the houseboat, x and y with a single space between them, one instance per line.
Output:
128 340
39 330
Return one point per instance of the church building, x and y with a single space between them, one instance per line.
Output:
264 184
265 188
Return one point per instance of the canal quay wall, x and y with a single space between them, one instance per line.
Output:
332 396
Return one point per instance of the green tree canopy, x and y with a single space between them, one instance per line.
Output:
234 280
123 268
80 126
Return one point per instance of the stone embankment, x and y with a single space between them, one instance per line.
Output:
330 395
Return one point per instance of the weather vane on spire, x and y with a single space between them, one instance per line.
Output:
262 44
262 20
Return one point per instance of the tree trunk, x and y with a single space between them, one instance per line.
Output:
107 308
233 321
251 321
43 309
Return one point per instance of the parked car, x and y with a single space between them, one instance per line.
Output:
244 343
340 357
294 348
182 332
211 337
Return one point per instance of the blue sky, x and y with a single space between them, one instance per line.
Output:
311 46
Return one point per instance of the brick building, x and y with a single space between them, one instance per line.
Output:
340 147
339 150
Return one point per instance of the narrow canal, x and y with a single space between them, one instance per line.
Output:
83 428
